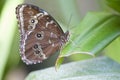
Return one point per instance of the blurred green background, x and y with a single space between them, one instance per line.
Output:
11 66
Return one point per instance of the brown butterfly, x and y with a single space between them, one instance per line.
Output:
40 35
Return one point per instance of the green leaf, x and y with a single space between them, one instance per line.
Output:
114 4
101 68
94 33
7 33
113 50
69 11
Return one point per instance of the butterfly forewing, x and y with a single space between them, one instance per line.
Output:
41 36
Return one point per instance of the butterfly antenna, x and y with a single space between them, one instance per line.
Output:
74 44
68 29
68 25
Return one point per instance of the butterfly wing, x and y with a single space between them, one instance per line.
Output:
40 34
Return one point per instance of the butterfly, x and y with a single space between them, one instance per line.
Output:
40 35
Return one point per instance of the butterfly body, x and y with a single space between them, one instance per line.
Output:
41 35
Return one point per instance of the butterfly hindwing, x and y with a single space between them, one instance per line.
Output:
41 35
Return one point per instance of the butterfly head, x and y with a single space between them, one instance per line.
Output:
65 38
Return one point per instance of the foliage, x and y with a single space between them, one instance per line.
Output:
101 68
97 31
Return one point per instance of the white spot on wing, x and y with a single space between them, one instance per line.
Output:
53 45
49 41
47 24
39 15
53 35
45 13
51 22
